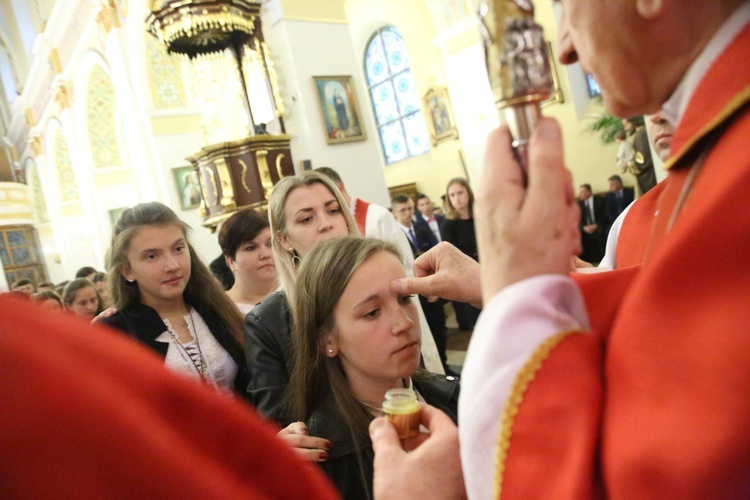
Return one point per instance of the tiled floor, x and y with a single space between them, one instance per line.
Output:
457 341
456 345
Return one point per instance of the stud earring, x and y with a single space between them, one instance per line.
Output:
330 350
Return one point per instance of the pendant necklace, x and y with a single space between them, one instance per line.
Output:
200 363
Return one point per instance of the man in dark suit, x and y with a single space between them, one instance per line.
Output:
421 238
592 225
426 212
617 200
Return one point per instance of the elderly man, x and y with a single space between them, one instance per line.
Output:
640 390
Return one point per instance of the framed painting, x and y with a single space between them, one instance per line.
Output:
114 215
188 189
342 118
439 114
557 95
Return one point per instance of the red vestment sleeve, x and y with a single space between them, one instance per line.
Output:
555 459
91 414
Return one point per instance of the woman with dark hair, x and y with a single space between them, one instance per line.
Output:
81 298
87 272
353 340
48 300
458 230
245 241
167 299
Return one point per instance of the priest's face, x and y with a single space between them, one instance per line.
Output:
606 37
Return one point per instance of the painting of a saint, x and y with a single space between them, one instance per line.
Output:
188 189
441 123
338 105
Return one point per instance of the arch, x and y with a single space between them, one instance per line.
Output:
394 96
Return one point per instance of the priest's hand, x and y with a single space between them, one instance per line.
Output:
524 230
446 272
432 467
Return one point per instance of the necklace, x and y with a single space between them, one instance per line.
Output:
198 362
373 409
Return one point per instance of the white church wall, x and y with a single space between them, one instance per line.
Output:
303 49
433 170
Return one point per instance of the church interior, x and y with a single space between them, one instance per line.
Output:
96 114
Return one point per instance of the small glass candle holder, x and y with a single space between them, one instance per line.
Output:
402 409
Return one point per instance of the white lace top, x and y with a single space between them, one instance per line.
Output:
220 368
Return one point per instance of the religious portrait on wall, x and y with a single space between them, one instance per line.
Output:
114 215
188 189
439 115
338 106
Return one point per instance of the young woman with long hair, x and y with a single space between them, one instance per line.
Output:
458 230
167 299
245 241
81 298
304 211
353 340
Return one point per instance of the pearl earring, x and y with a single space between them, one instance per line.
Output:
330 350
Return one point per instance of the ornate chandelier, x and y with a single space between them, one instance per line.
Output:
240 173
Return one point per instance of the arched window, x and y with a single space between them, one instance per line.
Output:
394 96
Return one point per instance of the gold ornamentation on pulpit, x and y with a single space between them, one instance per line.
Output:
227 192
279 158
265 173
242 172
243 164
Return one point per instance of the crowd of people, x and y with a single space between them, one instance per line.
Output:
86 295
258 335
626 383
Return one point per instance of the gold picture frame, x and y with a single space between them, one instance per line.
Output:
440 120
188 187
114 215
557 94
337 100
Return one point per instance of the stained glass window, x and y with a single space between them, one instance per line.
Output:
394 96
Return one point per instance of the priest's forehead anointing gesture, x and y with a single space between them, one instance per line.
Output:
608 384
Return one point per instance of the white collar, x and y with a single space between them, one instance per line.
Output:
674 108
405 228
